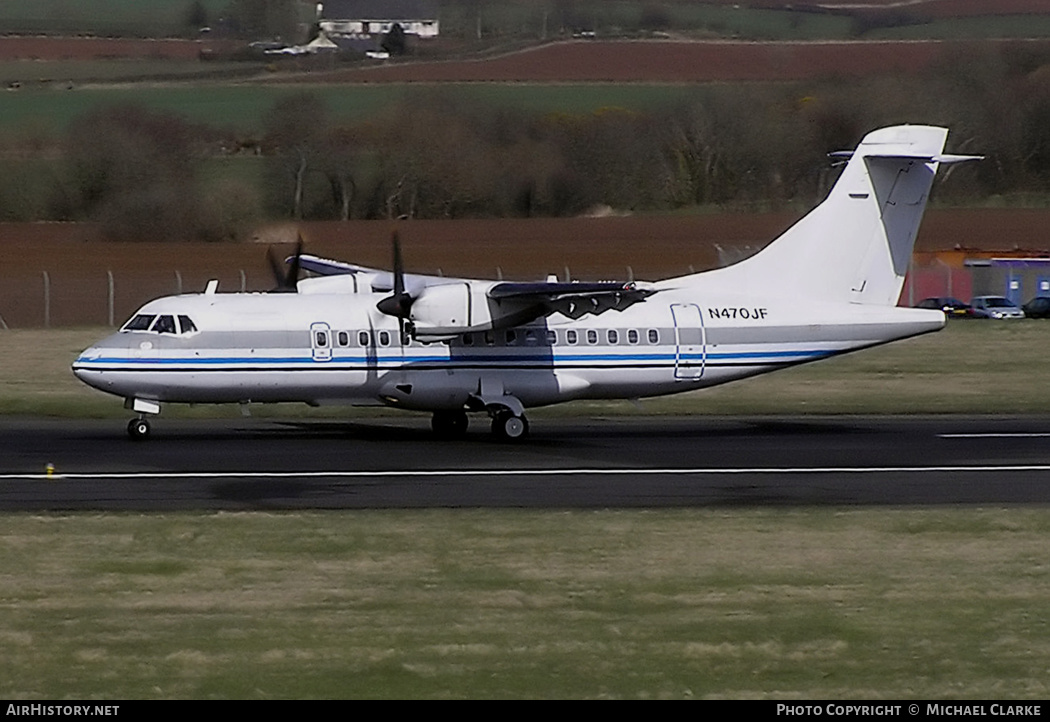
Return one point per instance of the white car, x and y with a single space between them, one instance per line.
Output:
995 307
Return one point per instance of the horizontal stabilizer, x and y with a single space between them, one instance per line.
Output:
946 158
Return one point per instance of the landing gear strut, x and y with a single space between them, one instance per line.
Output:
138 429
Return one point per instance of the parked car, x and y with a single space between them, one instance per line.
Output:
953 307
1038 307
995 307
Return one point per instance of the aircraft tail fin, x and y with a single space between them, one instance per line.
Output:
856 245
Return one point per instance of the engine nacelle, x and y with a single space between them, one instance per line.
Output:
448 310
445 311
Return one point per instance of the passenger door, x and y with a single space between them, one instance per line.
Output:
321 341
690 354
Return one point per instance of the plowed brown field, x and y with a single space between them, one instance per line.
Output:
76 261
46 48
929 8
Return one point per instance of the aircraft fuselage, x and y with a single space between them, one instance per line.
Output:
336 348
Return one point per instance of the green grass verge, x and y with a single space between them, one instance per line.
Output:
244 107
970 367
824 604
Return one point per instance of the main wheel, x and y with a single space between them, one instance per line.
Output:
509 427
138 429
449 424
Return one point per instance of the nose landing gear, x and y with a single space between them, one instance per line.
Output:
138 429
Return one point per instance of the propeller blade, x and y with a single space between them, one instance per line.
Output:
399 303
286 281
399 268
292 279
278 272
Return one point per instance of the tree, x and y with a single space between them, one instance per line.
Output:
196 15
308 154
394 41
133 171
265 18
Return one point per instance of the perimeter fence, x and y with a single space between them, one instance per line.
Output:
67 298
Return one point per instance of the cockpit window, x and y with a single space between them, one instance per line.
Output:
164 324
141 322
160 324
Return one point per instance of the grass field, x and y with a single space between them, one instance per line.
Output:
826 604
970 367
49 111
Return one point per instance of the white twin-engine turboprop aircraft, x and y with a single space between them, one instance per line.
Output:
357 335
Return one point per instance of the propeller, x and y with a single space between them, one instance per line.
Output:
286 281
399 303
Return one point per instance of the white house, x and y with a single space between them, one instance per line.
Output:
360 18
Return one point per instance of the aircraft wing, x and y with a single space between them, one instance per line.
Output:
328 267
572 299
381 281
524 300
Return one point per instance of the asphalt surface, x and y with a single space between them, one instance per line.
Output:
624 462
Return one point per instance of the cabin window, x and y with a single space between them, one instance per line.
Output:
141 322
186 325
322 339
511 337
343 338
468 339
490 339
384 338
164 324
571 337
362 338
552 337
654 336
632 336
614 336
592 336
531 339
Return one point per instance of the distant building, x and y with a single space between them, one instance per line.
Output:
1019 279
1018 274
374 18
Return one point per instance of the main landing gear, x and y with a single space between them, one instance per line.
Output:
449 424
506 425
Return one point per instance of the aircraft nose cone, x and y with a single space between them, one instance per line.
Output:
79 369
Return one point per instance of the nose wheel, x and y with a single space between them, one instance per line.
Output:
138 429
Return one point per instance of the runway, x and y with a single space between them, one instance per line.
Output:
620 462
